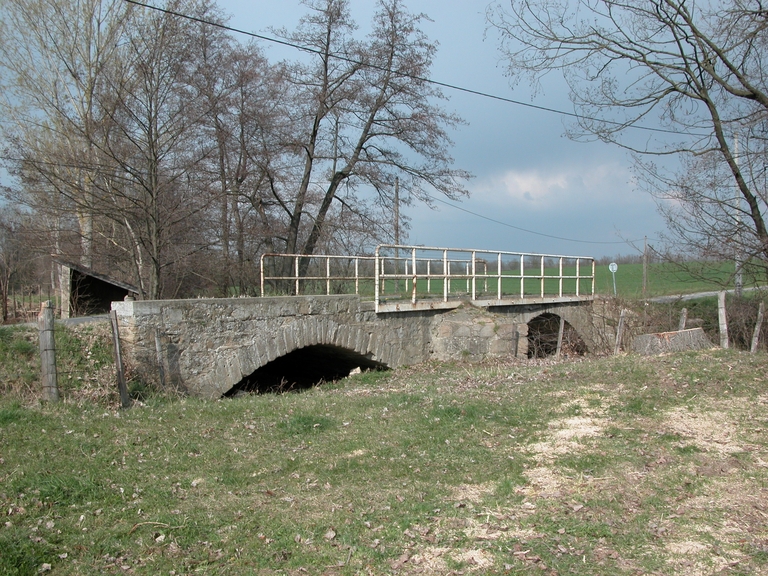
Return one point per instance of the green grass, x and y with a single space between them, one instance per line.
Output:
83 363
618 465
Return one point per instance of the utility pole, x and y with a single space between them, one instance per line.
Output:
397 230
645 265
397 211
739 279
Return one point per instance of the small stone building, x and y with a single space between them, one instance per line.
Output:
85 292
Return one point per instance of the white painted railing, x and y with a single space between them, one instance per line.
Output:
400 278
324 274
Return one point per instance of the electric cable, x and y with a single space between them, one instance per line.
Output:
525 229
413 77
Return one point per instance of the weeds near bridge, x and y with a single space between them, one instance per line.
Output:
84 359
617 465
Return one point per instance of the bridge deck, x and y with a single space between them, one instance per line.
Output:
437 304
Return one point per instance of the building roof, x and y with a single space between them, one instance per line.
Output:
84 270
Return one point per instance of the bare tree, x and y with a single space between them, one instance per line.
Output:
151 146
244 119
52 60
693 69
15 261
365 116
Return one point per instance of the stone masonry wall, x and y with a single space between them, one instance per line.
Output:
472 333
204 347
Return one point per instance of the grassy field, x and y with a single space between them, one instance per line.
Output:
620 465
662 280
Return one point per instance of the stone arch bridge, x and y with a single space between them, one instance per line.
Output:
402 305
207 347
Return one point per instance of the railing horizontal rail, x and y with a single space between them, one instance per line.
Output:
289 273
399 277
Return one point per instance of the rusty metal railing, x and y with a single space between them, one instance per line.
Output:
322 274
444 277
400 278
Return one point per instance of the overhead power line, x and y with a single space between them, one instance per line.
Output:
413 77
480 93
488 218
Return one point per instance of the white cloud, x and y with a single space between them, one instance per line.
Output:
564 185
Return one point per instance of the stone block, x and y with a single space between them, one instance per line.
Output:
248 358
487 330
506 330
461 331
364 340
501 347
660 343
309 331
445 330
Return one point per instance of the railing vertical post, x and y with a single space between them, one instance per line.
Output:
413 271
328 276
467 283
522 276
474 277
561 276
357 275
429 279
376 277
261 274
541 271
446 273
593 278
578 275
498 269
296 271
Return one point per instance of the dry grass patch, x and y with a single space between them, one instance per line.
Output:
619 465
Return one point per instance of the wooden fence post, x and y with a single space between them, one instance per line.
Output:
122 386
683 319
758 326
48 352
722 319
619 332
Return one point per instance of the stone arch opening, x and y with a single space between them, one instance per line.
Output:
543 332
304 368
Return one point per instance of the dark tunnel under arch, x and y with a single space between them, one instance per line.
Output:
304 368
543 333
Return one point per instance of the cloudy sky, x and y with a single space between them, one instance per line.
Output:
533 189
